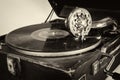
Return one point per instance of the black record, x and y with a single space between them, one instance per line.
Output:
48 40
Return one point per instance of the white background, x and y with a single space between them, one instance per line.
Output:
18 13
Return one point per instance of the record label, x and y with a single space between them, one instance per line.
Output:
47 33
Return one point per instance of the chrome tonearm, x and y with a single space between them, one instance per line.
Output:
104 22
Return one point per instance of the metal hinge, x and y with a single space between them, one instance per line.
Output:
13 65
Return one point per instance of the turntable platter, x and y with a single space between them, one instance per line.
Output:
48 40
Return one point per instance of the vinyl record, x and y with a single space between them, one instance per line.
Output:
48 40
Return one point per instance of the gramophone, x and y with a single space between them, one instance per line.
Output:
79 46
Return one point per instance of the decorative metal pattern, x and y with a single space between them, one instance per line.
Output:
79 22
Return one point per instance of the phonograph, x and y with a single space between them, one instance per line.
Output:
83 45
